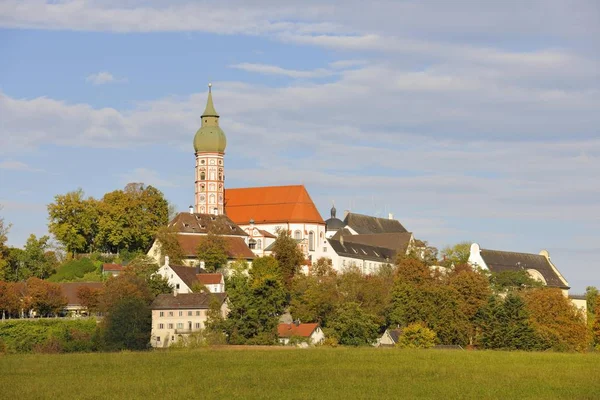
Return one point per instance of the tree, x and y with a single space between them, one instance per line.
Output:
591 296
89 298
314 298
46 298
556 320
212 250
74 221
504 324
512 280
146 268
596 325
128 324
417 336
10 301
130 218
168 245
457 254
4 228
124 286
37 257
256 301
288 256
352 326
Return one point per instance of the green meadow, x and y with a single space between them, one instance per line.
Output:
283 373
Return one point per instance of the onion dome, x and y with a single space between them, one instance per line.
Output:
210 138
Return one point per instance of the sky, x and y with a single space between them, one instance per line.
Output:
469 121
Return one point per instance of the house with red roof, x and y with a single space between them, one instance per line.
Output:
183 279
300 334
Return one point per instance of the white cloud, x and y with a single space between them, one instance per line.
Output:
17 166
275 70
102 78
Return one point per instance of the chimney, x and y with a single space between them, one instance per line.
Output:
167 260
191 209
390 216
175 292
342 240
216 211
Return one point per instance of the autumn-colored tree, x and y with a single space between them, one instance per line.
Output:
596 324
89 298
124 286
212 250
556 320
46 297
323 267
4 228
10 301
74 221
511 280
314 298
288 256
417 336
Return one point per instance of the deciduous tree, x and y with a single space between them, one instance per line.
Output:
212 250
417 336
46 298
352 326
288 256
128 324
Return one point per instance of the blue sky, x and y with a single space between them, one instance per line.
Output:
468 120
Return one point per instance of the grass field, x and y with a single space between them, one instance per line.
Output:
279 373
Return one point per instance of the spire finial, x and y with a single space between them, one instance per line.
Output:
209 87
210 111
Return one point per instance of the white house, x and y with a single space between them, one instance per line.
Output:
389 338
175 316
182 278
309 334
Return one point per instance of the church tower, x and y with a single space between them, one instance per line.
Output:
209 146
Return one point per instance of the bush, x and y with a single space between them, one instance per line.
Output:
48 335
74 270
417 336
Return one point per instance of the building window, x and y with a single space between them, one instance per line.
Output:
180 325
158 338
170 326
202 176
311 241
197 325
197 313
252 244
181 313
161 326
162 313
189 313
177 286
170 313
298 235
324 249
258 244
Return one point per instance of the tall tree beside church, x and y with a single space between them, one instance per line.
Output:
288 256
73 220
129 219
212 250
168 246
3 248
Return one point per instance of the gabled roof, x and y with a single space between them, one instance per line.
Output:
362 224
69 289
302 330
236 246
362 251
185 222
267 234
395 334
186 301
112 267
394 241
209 279
498 261
186 274
271 204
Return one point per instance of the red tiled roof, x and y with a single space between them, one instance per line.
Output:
209 279
272 204
302 330
112 267
70 289
267 234
236 246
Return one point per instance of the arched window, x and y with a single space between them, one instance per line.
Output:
212 199
258 244
252 244
298 235
202 176
311 241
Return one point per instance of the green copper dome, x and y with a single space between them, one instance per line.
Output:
210 137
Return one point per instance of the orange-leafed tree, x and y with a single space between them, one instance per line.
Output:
89 298
46 298
556 320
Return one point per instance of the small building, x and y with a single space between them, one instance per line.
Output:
71 290
183 278
175 316
112 269
390 337
305 334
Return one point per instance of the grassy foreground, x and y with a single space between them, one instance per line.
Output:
280 373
